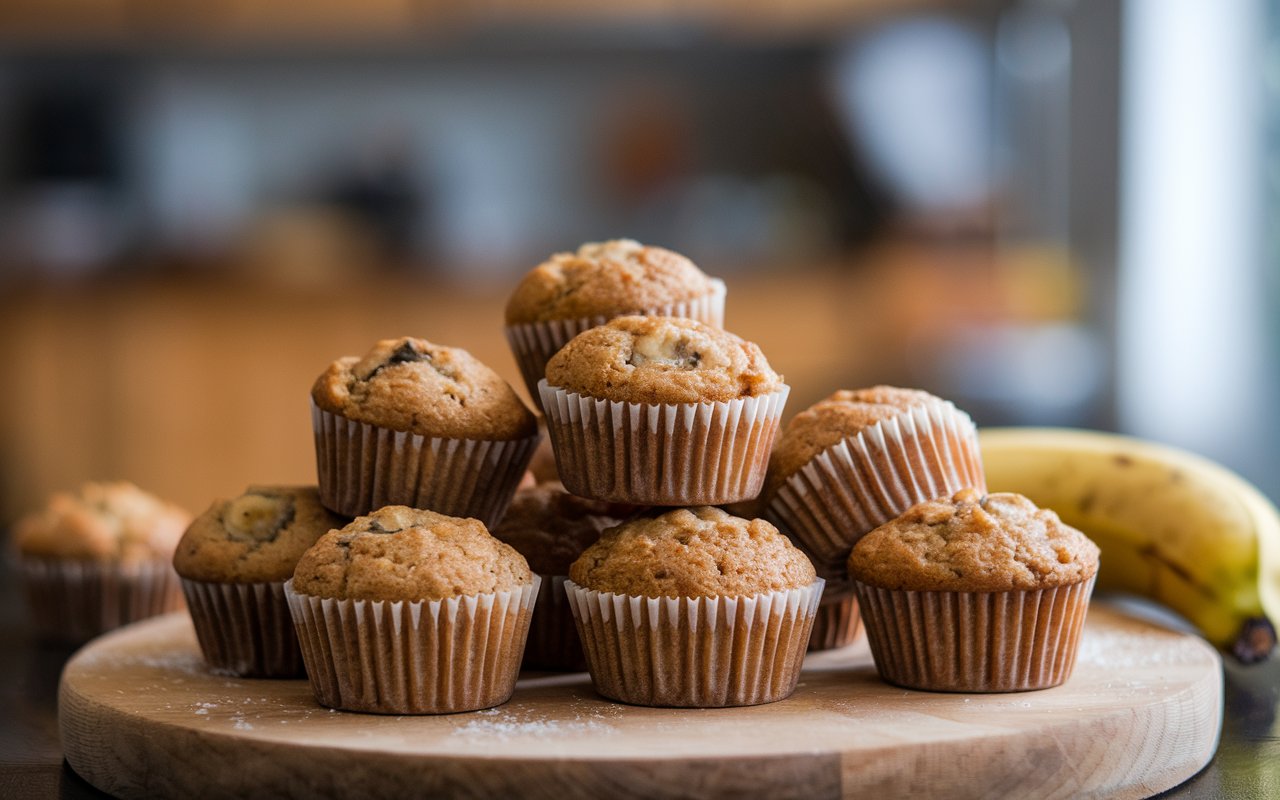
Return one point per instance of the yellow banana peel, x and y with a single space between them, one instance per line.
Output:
1172 526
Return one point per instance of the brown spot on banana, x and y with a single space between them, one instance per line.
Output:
1088 501
1152 553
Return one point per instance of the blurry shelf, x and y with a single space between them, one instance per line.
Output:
71 24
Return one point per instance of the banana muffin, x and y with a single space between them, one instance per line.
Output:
662 411
974 593
858 459
551 528
98 558
234 560
407 611
834 419
677 610
572 292
419 424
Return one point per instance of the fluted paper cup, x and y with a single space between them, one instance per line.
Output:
864 481
975 641
74 601
836 623
363 467
553 638
244 629
534 343
679 454
695 652
413 657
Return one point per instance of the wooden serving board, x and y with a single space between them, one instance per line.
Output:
142 717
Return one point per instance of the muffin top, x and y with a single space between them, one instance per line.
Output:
834 419
605 279
974 543
413 385
256 538
692 552
113 521
551 527
402 553
661 360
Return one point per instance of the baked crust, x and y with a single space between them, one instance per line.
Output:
102 521
692 552
661 360
610 279
257 537
399 553
974 543
413 385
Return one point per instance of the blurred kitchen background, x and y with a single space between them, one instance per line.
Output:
1050 211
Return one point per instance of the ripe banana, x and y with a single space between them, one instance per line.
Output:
1172 526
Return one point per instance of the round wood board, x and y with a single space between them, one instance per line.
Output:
142 717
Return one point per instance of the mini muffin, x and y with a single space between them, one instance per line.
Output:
97 559
551 528
694 608
422 425
407 611
662 411
975 593
572 292
233 561
860 458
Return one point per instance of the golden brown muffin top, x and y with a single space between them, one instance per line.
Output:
256 538
413 385
605 279
836 418
551 527
402 553
974 543
692 552
661 360
113 521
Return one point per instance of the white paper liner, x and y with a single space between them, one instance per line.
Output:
696 652
413 657
534 343
668 455
553 637
975 641
74 601
837 623
864 481
244 629
362 467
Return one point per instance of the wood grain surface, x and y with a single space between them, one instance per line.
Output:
141 716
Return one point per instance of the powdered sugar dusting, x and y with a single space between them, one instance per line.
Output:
243 712
499 725
1113 650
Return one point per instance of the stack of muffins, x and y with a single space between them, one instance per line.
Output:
654 419
626 556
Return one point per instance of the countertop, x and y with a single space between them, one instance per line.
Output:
1247 764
